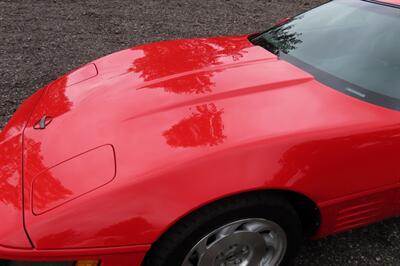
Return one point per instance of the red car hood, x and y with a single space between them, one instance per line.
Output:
161 105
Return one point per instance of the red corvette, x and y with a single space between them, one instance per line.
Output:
205 152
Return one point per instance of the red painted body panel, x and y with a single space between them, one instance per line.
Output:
12 232
231 119
82 169
188 122
396 2
121 256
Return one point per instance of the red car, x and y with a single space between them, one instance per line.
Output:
205 152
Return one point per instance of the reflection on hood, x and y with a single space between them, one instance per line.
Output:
204 127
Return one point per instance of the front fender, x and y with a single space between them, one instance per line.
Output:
12 231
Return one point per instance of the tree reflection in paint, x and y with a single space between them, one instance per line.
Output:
204 127
11 176
10 173
50 189
281 39
54 104
184 56
57 103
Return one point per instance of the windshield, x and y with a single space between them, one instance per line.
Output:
350 45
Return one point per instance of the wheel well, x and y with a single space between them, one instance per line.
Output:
189 228
306 209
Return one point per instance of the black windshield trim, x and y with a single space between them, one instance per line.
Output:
343 85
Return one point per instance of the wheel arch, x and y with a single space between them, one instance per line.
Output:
307 210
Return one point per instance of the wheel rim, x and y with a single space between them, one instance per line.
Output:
246 242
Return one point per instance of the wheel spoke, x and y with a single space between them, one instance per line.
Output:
249 242
256 227
271 241
201 247
227 230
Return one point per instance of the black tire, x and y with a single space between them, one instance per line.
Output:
172 247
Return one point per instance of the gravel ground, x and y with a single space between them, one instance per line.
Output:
42 39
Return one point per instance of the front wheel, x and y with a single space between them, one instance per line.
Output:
253 241
250 230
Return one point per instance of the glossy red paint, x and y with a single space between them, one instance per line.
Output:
188 122
396 2
12 232
82 169
121 256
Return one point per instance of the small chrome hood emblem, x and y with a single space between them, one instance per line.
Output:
43 122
